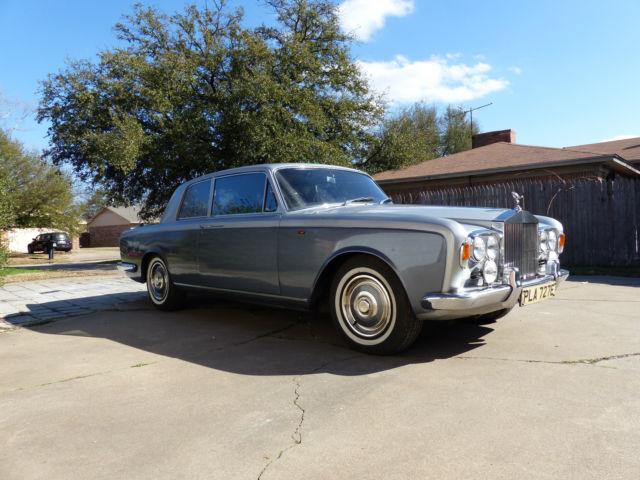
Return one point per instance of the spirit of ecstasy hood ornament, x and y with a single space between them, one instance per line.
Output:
518 198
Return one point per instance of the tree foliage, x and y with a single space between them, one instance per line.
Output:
417 134
33 193
410 137
96 199
456 131
195 92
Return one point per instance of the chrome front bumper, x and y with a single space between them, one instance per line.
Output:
483 300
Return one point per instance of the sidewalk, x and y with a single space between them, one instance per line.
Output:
28 303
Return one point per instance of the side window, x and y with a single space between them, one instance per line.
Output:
239 194
270 202
195 200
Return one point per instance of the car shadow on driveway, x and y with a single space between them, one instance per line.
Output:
254 340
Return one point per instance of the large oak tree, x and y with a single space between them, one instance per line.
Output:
194 92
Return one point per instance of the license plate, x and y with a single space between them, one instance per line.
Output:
538 293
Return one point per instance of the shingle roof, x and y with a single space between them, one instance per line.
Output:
496 157
629 148
504 156
128 213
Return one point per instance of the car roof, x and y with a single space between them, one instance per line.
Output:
263 167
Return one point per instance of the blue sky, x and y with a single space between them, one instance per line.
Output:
558 72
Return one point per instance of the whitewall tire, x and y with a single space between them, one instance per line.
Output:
370 308
162 292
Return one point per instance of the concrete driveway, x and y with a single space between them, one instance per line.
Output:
224 391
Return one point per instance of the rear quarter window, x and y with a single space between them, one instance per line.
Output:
196 200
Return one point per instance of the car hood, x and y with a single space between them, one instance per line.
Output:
465 215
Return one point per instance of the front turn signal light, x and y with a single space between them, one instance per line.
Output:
465 253
561 239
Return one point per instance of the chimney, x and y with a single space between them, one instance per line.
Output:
487 138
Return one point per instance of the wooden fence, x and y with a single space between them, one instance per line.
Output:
601 217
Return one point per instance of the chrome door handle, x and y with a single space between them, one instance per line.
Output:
211 225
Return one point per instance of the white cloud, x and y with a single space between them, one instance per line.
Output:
619 137
433 80
364 17
516 70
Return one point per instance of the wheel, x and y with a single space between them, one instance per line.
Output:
370 307
162 292
490 317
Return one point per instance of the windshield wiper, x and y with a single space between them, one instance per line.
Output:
358 200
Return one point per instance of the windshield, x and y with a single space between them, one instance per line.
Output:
307 187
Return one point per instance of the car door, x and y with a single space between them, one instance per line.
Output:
180 238
237 249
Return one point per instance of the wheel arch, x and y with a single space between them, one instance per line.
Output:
146 258
322 283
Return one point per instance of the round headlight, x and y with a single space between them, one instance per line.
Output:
492 247
490 271
544 246
479 249
552 240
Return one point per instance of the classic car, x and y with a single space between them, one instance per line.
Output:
59 241
313 236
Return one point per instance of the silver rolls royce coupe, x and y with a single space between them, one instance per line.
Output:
316 236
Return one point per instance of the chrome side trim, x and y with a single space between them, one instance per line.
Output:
127 267
243 293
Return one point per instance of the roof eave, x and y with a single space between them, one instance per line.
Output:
614 161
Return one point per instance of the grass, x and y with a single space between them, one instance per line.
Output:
612 271
8 271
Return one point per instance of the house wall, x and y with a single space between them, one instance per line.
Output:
108 235
600 210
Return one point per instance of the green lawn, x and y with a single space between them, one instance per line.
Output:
7 271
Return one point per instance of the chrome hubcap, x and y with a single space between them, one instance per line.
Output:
366 305
158 281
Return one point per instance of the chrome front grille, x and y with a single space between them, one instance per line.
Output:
521 248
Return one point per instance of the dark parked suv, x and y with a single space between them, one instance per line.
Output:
41 243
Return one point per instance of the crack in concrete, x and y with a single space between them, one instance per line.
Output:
270 333
296 436
593 361
77 377
583 361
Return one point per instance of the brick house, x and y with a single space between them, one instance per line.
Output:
105 228
594 189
